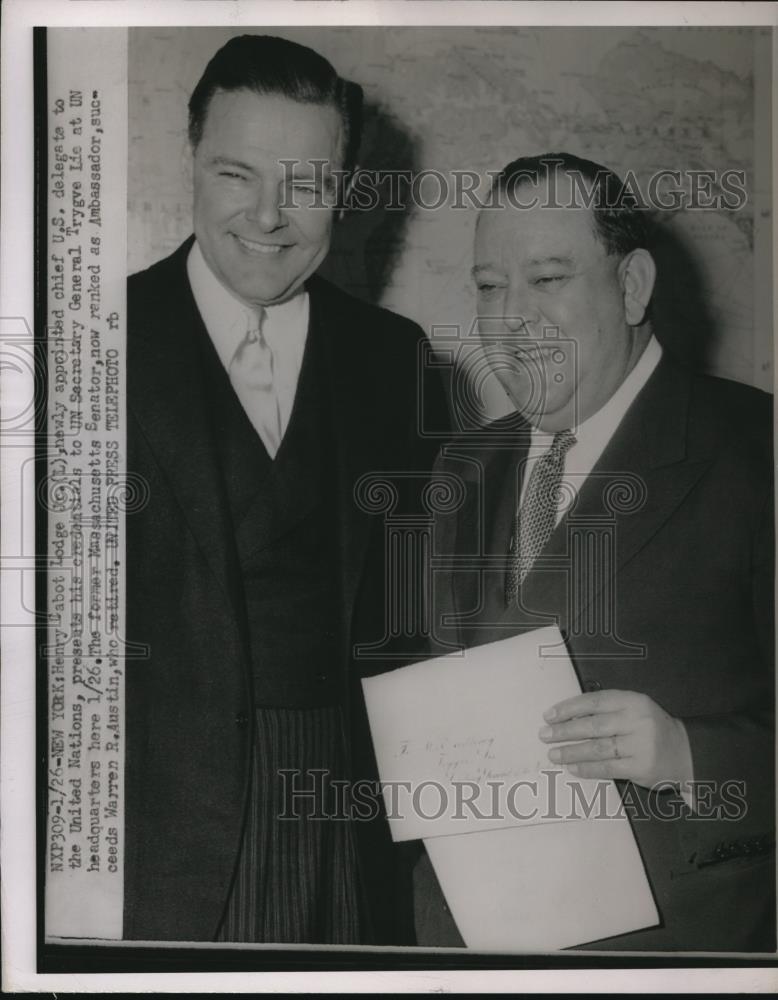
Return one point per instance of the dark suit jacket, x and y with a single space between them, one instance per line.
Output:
189 697
684 490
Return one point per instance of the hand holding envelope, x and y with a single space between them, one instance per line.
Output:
528 856
625 735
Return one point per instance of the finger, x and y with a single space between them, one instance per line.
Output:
587 727
591 703
617 769
608 748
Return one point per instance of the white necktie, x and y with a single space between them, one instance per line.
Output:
251 374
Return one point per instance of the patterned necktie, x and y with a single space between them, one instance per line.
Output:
536 518
251 374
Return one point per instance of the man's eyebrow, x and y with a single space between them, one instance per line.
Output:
551 259
479 268
564 259
226 161
304 170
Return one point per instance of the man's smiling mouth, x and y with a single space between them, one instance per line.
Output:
251 246
533 353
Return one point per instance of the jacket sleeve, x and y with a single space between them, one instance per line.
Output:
734 754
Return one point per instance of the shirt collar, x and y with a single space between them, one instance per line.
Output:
227 319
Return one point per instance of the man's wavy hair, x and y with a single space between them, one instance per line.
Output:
620 221
266 64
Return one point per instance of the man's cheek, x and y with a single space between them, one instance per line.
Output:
525 392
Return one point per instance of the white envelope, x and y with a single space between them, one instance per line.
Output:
535 860
544 887
456 738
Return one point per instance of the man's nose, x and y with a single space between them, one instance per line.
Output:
515 322
265 208
518 312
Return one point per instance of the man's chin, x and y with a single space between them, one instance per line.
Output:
546 418
268 293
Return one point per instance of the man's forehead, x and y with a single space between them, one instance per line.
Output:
272 124
538 232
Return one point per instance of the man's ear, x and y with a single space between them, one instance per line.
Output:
638 274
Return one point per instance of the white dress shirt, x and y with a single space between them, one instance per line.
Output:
227 320
594 434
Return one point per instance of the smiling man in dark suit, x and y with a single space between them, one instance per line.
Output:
629 501
258 396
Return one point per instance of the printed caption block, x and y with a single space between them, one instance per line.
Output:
85 492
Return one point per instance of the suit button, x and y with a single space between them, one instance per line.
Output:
592 686
322 678
241 719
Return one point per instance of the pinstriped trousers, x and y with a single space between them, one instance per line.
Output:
296 880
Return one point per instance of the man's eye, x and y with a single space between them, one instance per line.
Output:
484 288
549 279
232 175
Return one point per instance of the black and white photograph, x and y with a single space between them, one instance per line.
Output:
389 533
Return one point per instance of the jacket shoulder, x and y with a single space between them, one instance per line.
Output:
742 401
740 415
159 276
369 319
155 295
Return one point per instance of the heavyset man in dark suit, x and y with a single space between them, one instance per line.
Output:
259 394
629 501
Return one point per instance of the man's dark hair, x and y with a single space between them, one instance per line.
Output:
266 64
620 222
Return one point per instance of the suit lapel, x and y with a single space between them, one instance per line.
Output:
354 438
640 479
167 399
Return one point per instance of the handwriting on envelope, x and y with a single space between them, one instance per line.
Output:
456 738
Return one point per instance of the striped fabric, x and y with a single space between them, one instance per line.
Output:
296 881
